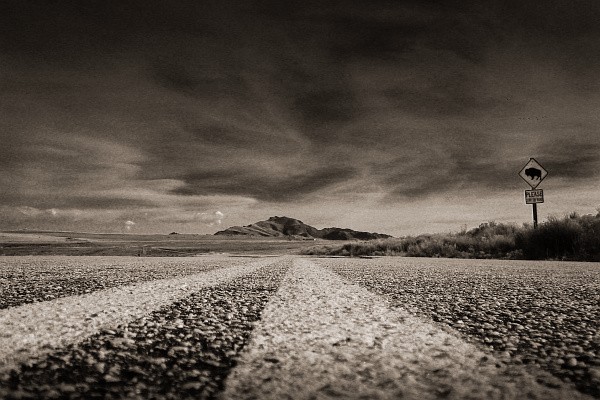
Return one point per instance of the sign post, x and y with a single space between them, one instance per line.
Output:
533 173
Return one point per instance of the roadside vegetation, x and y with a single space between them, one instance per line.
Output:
573 237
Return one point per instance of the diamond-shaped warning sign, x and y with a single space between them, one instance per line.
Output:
533 173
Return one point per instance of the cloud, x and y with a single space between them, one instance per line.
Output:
292 186
129 225
29 211
210 219
152 111
325 106
571 160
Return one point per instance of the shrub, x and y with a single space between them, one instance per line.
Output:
573 237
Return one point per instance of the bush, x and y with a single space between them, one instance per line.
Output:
573 237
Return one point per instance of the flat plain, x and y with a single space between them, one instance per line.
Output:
127 244
292 327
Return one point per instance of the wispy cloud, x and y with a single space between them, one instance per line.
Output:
155 112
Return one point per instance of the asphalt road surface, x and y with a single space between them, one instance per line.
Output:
298 328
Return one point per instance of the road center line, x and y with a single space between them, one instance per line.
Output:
32 330
321 337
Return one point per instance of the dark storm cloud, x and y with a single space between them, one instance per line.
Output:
446 100
202 83
44 25
267 188
400 28
175 77
96 202
570 159
45 200
431 174
215 135
117 105
324 106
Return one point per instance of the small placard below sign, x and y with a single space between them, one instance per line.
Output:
534 196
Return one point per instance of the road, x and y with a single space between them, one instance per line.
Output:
298 328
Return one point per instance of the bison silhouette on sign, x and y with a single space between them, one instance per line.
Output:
533 173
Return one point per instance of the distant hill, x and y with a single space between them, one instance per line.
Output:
285 226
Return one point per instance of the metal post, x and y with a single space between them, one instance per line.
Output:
534 215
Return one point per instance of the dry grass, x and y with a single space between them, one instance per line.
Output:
71 243
573 237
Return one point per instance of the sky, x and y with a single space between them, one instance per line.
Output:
399 117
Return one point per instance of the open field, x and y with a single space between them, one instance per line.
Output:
108 244
298 327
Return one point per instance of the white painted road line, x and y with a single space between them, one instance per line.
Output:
321 337
32 330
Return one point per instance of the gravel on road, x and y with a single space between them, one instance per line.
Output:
322 337
546 314
35 329
373 329
183 350
30 279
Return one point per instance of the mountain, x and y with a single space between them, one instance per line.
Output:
285 226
